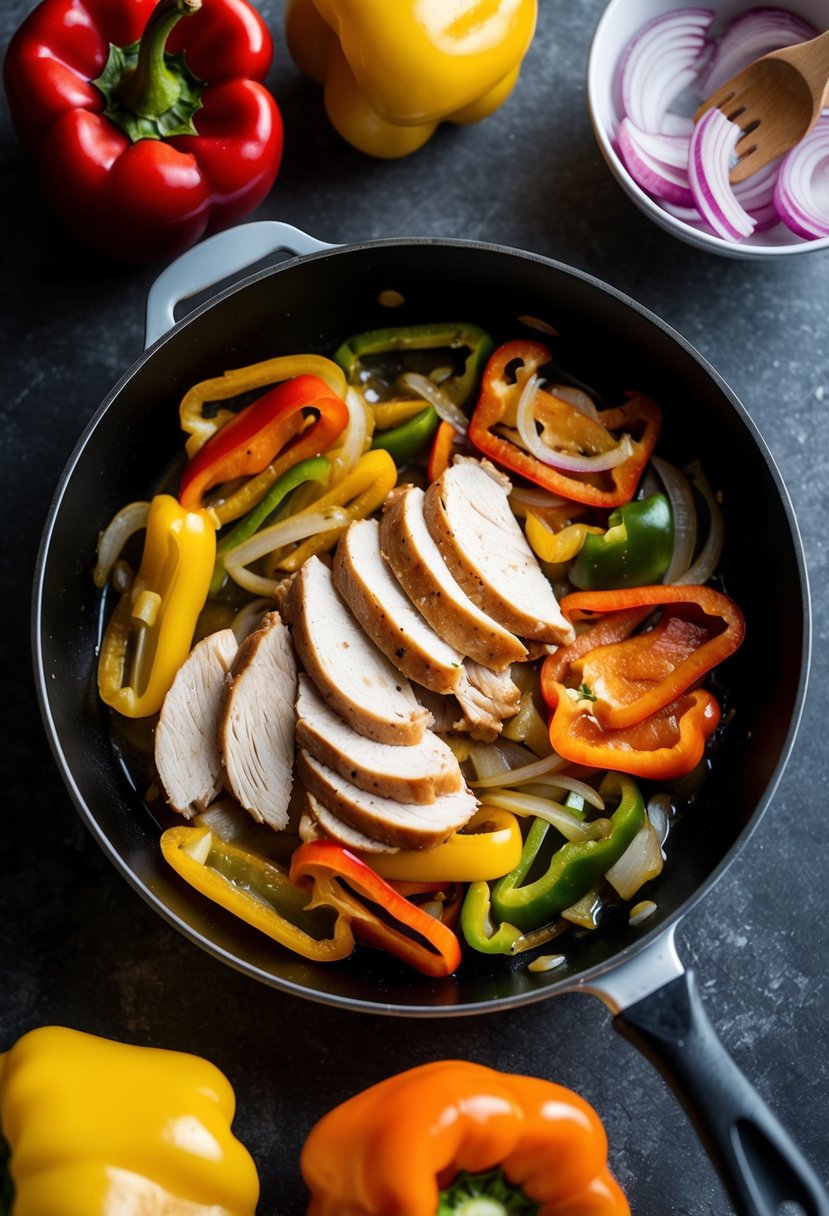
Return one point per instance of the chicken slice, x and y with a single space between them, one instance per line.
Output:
318 823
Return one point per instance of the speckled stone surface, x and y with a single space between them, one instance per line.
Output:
78 947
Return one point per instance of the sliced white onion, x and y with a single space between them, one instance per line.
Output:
129 520
517 776
641 861
444 406
684 512
660 812
489 759
525 421
709 164
709 558
555 813
289 531
535 499
661 61
530 773
355 437
248 617
576 397
802 192
658 163
750 35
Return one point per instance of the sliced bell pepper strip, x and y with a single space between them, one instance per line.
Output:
440 456
632 679
252 438
340 880
668 744
496 408
199 427
433 336
423 1141
554 547
360 493
149 634
488 847
316 469
574 868
258 891
393 413
403 442
477 924
635 550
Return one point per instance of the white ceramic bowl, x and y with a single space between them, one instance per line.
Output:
621 20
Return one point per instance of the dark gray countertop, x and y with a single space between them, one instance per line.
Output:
78 947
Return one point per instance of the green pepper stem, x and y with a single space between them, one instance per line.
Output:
488 1194
152 89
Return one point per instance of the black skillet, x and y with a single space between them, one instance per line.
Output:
312 303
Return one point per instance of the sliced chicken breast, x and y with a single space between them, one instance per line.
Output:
320 823
468 514
487 700
366 582
419 773
187 754
403 824
256 730
417 563
351 674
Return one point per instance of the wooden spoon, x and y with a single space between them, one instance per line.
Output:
776 101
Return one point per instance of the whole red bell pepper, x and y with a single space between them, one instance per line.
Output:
148 133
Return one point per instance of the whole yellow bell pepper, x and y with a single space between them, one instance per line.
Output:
394 69
99 1128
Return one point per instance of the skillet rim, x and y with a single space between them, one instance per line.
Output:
550 988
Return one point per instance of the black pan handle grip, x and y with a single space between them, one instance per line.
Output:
759 1163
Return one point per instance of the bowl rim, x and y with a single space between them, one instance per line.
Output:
645 203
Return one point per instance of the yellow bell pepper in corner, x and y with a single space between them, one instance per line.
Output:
99 1128
392 71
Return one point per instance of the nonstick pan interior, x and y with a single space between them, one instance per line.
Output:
609 342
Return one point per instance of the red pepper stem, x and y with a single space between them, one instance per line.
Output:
152 89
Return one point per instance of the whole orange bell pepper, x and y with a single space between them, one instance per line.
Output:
426 1141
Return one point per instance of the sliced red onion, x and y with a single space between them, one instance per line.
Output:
802 192
660 62
749 36
677 124
658 163
525 422
709 164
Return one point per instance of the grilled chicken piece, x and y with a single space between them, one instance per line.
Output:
487 699
404 824
351 674
468 514
366 583
318 823
256 730
187 753
421 571
419 773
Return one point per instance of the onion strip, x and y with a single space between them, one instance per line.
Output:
555 813
684 512
444 406
709 558
355 438
129 520
298 527
525 420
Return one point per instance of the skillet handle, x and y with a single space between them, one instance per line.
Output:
758 1162
219 257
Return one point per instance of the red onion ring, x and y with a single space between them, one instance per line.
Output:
661 61
657 162
749 36
709 164
801 195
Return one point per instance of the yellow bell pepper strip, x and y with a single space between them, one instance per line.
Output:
555 547
360 493
393 413
251 440
200 426
488 847
317 469
149 634
668 744
393 72
425 1141
339 879
632 679
495 413
96 1127
258 891
575 867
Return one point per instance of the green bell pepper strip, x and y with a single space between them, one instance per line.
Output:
477 926
405 441
635 551
432 336
573 869
317 468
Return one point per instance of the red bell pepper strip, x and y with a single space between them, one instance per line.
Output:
251 439
146 137
639 417
629 680
670 743
343 882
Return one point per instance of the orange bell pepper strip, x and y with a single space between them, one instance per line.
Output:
640 418
427 1140
248 443
340 880
668 744
629 680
